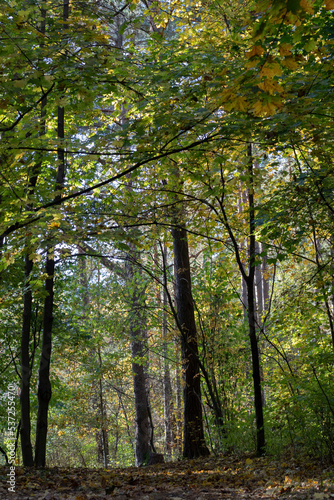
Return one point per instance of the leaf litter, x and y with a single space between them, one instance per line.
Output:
213 478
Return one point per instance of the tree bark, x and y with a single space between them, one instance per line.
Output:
179 419
25 432
241 202
102 406
265 282
259 288
249 279
193 438
44 385
137 334
260 447
168 404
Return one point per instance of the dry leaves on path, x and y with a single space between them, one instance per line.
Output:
214 478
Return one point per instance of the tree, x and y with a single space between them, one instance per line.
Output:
193 440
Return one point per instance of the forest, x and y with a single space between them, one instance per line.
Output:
166 231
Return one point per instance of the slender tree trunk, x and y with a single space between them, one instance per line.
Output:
241 203
251 308
143 431
193 439
136 320
44 385
2 239
167 382
317 250
265 282
332 284
26 446
251 315
259 311
102 407
179 419
259 288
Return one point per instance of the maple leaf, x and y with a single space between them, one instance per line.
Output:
264 108
306 5
238 103
285 49
35 257
256 50
270 70
270 86
290 63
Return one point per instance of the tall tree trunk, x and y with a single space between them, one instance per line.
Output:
331 299
193 439
249 279
137 334
259 288
103 415
142 431
103 439
168 404
317 251
259 281
44 385
241 203
25 432
179 419
260 447
265 282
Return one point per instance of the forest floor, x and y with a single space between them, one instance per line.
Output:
213 478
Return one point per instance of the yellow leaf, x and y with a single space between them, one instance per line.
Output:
35 257
100 37
53 224
62 102
262 108
271 70
238 103
290 63
285 49
305 5
249 461
329 4
9 258
270 86
256 50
